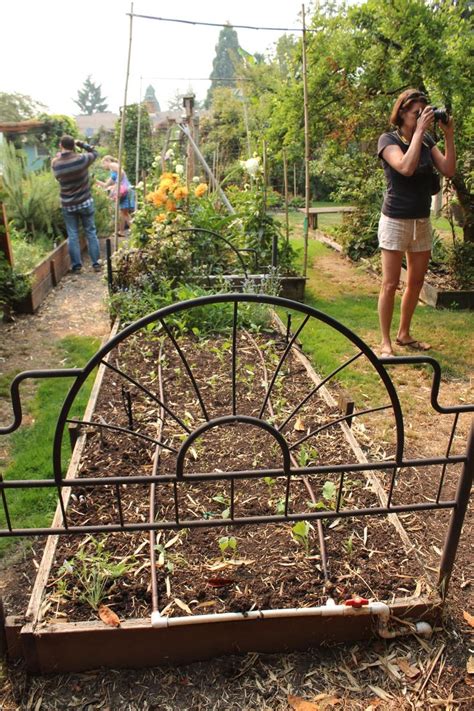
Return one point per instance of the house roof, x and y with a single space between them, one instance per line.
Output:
21 126
104 119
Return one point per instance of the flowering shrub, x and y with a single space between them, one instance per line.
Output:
172 195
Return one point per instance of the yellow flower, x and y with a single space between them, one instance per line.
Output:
180 192
167 176
200 190
167 184
170 206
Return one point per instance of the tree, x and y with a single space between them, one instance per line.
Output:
130 140
225 62
90 99
18 107
360 58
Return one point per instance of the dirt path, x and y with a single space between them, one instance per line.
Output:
360 676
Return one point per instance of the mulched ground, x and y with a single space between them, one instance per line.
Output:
268 568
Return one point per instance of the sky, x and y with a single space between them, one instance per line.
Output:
49 47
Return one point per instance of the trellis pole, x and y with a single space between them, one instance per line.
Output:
122 131
139 118
306 148
285 179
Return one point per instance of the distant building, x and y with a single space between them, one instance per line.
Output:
151 102
92 124
29 135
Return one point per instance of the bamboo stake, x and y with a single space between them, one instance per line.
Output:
137 156
265 167
122 131
285 179
306 147
294 179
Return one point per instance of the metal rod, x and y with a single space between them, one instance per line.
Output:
448 451
457 517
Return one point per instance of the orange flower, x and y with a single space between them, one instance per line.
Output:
160 218
200 190
181 192
167 184
170 206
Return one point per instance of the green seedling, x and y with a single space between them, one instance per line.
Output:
300 532
349 545
228 546
280 506
225 501
93 571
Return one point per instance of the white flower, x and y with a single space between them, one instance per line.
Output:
169 154
196 179
252 166
179 169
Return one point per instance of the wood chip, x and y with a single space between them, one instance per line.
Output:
299 704
469 618
108 616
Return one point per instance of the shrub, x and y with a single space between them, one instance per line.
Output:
461 260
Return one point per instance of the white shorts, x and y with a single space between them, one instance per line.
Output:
405 235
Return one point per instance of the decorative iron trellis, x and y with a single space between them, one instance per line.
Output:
162 324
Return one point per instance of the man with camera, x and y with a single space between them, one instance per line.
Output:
409 156
71 170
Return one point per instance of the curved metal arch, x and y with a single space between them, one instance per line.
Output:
231 419
236 298
223 239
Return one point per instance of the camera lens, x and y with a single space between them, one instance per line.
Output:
441 115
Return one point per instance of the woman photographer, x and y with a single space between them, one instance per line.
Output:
408 156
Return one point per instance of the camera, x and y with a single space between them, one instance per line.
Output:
441 115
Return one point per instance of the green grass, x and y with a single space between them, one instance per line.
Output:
30 447
354 304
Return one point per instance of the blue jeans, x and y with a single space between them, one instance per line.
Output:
73 221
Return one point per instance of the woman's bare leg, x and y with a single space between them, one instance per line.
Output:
417 263
391 267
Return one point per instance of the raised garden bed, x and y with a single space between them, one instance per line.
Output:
47 274
192 439
435 296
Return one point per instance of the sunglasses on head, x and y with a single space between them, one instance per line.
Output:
415 96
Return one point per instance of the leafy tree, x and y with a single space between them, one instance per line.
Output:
225 62
130 140
18 107
224 129
360 58
90 99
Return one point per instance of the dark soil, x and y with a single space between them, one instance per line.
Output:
269 569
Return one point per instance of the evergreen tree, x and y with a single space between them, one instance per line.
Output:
90 99
225 62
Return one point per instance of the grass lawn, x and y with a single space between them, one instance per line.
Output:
30 447
353 302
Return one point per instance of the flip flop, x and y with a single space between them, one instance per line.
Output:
385 353
414 345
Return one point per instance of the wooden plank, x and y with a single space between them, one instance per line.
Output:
5 242
73 647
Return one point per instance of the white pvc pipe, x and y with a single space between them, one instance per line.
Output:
375 608
379 609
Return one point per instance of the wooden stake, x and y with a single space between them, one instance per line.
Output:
285 179
122 132
306 148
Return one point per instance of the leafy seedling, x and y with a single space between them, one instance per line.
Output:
228 546
225 501
300 532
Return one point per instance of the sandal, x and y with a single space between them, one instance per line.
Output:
414 345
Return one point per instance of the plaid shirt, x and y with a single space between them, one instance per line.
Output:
82 206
